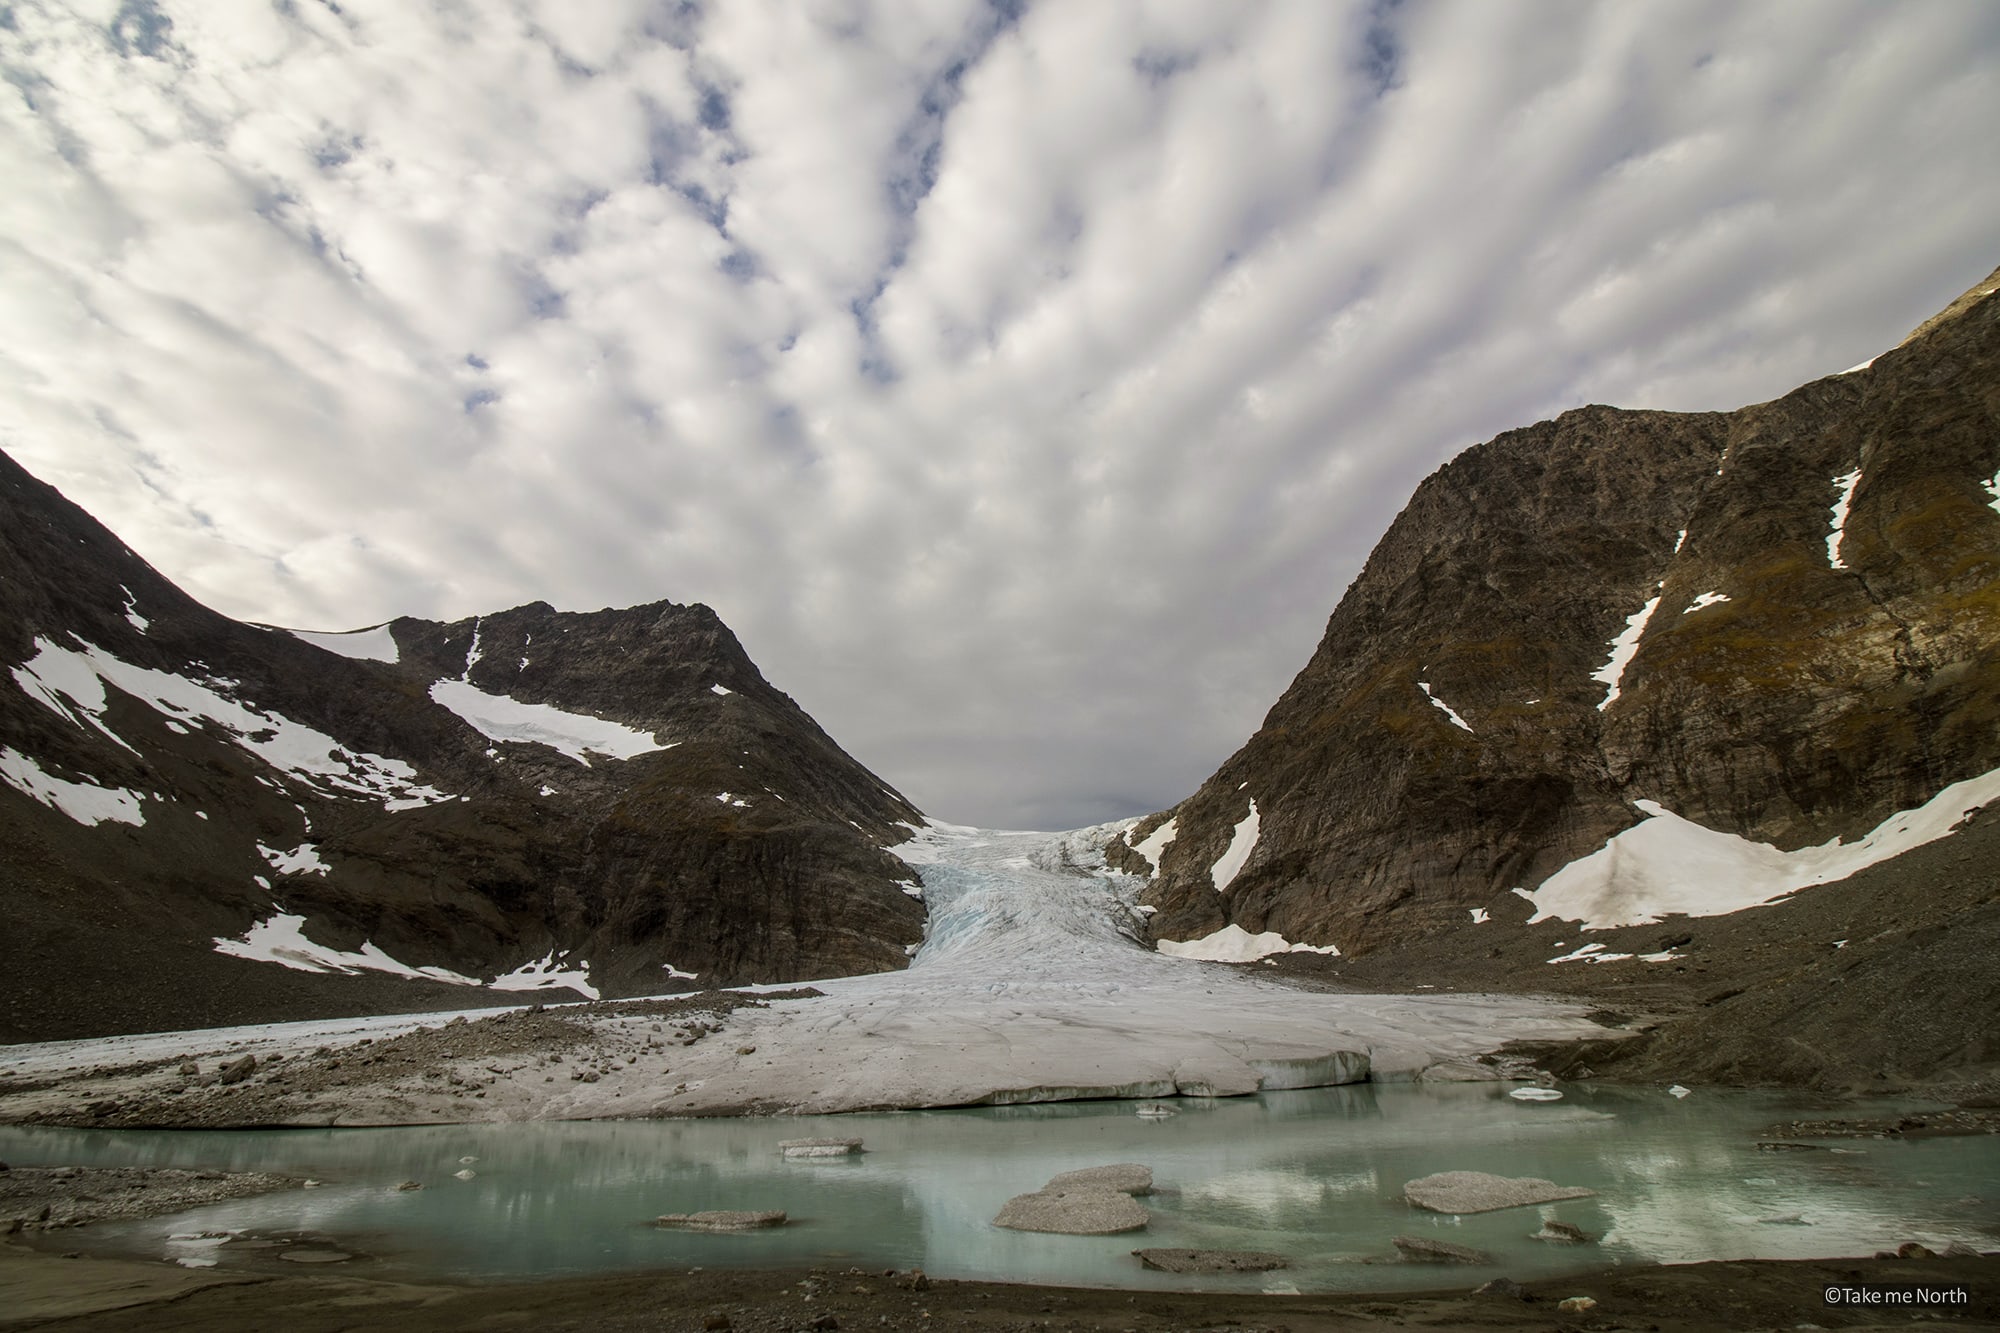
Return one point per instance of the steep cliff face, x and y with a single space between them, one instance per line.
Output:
1781 623
203 821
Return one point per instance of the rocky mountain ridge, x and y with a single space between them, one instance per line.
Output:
611 802
1759 632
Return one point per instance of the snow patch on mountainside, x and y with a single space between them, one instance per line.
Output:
1233 944
1449 711
1839 513
1666 865
301 860
281 939
1241 844
85 802
375 644
550 973
1154 845
71 683
1623 648
578 735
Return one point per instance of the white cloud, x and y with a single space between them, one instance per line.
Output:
1022 387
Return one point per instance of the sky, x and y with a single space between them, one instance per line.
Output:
1022 382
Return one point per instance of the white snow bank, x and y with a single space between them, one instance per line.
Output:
1992 488
1154 845
374 644
546 973
502 718
1706 599
282 940
138 621
1863 366
301 860
1241 844
1612 673
1839 511
1449 712
720 689
1233 944
1480 916
85 802
71 682
1667 864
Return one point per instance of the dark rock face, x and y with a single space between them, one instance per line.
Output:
439 845
1833 686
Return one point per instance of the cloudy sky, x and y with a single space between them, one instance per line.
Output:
1023 382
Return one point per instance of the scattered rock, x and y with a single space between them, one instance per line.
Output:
723 1220
914 1280
746 1050
1502 1286
1423 1250
1911 1249
1479 1192
237 1070
1576 1304
1211 1261
1074 1212
716 1323
1563 1233
409 1185
819 1147
1125 1177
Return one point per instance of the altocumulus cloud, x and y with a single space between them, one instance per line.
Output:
1023 382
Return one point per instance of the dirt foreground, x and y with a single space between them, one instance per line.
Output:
40 1290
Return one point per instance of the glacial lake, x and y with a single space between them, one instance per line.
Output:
1313 1174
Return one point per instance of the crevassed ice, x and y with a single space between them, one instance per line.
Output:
1233 944
1839 511
85 802
71 682
1241 844
374 644
1612 673
1666 864
503 718
281 939
1449 711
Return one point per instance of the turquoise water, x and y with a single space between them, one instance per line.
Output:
1313 1174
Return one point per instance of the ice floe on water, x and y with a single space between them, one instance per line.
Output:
85 802
1666 864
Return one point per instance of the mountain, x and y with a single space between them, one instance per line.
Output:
1616 678
206 822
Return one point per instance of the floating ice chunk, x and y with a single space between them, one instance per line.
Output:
1233 944
1666 864
1241 844
281 940
1840 504
546 973
374 644
1612 673
1456 720
1535 1095
1706 599
85 802
503 718
1677 1092
301 860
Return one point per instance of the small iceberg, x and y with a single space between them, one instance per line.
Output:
1535 1095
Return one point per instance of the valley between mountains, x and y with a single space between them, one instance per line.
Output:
1648 745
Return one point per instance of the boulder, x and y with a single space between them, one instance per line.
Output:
1562 1233
1126 1178
1088 1211
1423 1250
1479 1192
1211 1261
722 1220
